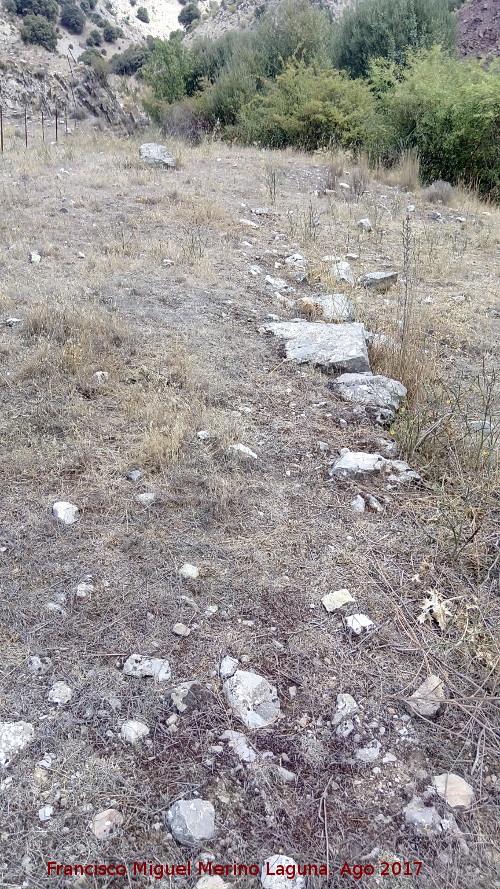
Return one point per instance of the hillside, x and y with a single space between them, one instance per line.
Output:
479 28
143 383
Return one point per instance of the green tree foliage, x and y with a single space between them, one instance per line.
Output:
222 101
292 29
130 61
189 14
388 29
450 111
309 107
169 69
72 18
36 29
110 32
94 38
143 14
48 8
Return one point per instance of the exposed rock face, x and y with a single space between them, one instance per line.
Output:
79 90
331 346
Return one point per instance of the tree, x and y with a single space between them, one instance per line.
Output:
189 14
36 29
169 69
72 18
388 29
143 14
48 8
130 60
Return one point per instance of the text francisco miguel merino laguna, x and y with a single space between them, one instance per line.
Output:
190 868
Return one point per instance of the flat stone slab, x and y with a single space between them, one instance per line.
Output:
191 821
333 347
379 281
152 153
357 464
332 307
380 393
428 699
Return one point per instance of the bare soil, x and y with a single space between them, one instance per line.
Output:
184 351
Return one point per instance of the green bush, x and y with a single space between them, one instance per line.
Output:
221 102
36 29
387 29
85 7
449 110
130 61
48 8
143 14
10 6
189 14
169 69
97 19
110 33
309 108
94 38
72 18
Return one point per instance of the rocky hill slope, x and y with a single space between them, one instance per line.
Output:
479 28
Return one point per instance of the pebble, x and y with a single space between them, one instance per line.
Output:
60 693
189 572
333 601
228 666
133 475
359 623
140 666
133 730
105 823
242 450
180 629
191 821
14 736
35 257
146 499
45 813
454 790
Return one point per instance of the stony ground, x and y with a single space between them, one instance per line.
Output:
118 359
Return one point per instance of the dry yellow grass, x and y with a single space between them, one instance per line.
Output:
182 350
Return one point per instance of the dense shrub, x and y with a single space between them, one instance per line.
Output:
110 32
36 29
309 108
189 14
387 29
97 19
449 110
72 18
130 60
221 102
169 69
94 38
48 8
85 7
10 6
143 14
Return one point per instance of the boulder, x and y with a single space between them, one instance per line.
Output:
365 225
332 306
379 281
191 821
343 272
333 347
152 153
454 790
381 395
253 699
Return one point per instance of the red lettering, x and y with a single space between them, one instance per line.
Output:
181 870
204 867
139 867
345 869
52 865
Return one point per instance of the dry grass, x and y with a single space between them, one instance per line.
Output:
182 350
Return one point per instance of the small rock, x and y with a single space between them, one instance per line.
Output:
335 600
191 821
359 623
280 872
373 504
346 706
14 736
454 790
243 450
261 211
425 820
212 883
168 262
180 629
332 307
189 572
250 223
343 272
277 283
345 729
365 225
133 730
60 693
203 434
84 590
286 776
81 255
228 666
358 504
331 346
369 753
356 464
106 823
140 666
100 377
379 281
133 475
381 395
241 746
65 512
35 257
39 665
146 499
410 208
427 700
253 699
152 153
45 813
9 322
